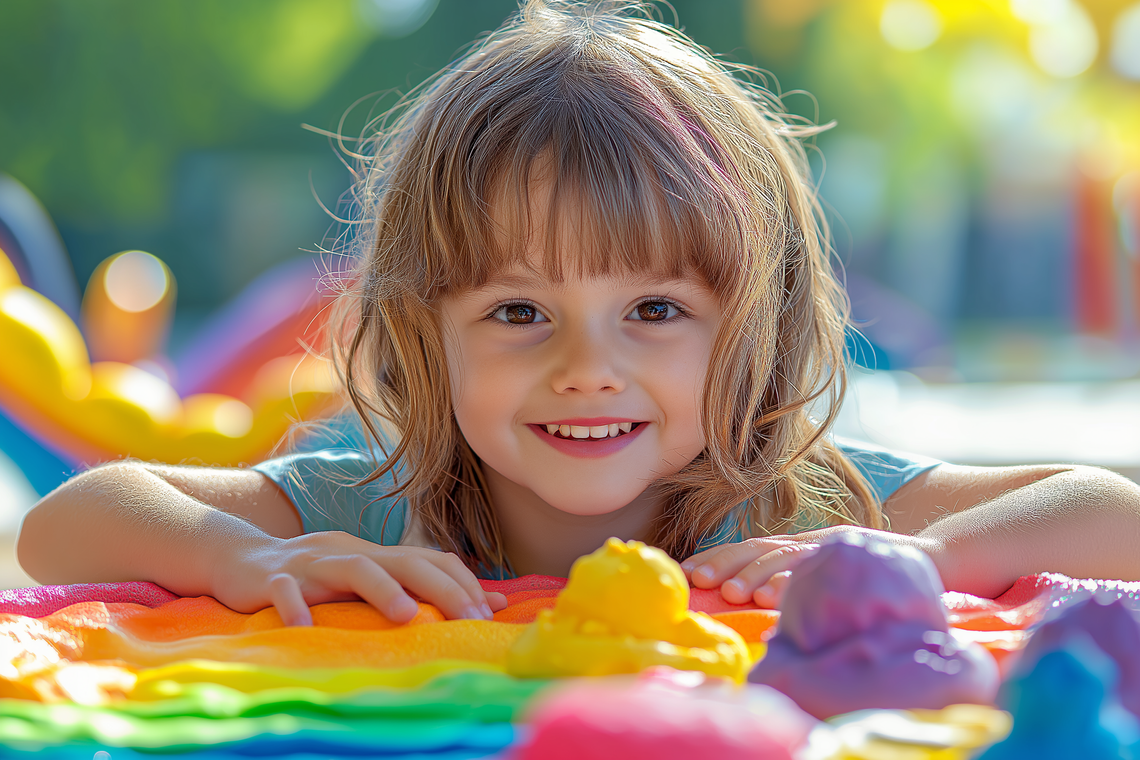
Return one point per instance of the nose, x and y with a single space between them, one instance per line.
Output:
586 361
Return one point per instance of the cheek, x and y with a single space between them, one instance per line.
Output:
483 390
681 386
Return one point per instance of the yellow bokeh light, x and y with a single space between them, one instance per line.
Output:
910 24
233 418
1040 11
1064 41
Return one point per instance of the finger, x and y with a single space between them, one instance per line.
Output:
731 558
700 558
432 584
497 601
771 593
361 576
461 574
285 593
740 588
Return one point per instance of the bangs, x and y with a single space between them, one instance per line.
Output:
588 158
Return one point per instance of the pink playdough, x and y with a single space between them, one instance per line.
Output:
669 715
862 626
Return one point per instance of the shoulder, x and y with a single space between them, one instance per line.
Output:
886 470
343 466
335 452
333 489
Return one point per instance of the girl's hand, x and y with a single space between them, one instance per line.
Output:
754 570
757 569
294 573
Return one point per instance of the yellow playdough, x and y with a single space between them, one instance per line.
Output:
626 608
956 732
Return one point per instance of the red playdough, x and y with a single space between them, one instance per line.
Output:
666 715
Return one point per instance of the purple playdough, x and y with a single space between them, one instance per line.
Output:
862 626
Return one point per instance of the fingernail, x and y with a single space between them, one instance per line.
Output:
736 585
471 612
687 566
704 572
486 608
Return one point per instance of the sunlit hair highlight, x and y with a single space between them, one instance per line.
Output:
675 165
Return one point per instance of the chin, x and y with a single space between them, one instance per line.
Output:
588 503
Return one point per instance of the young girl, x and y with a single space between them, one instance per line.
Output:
594 299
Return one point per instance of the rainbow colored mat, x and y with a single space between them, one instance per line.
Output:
131 668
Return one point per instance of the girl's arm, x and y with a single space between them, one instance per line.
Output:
990 526
984 527
231 534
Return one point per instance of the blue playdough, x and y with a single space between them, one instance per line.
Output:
1063 707
1113 628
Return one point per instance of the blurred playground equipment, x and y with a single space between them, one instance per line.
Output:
78 394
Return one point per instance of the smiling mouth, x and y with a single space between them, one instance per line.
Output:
594 432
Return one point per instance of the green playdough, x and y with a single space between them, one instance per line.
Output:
461 709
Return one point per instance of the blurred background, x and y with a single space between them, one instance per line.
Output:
982 180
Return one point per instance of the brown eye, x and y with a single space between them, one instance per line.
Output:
520 313
653 311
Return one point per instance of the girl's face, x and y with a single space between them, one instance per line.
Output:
583 392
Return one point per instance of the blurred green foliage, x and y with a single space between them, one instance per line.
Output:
101 97
110 109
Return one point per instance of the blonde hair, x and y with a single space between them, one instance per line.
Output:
678 165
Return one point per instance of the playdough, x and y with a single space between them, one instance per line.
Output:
455 710
952 733
862 625
1113 628
665 716
1062 708
626 608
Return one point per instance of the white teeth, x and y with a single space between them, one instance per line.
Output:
582 432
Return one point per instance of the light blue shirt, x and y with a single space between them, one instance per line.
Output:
322 486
